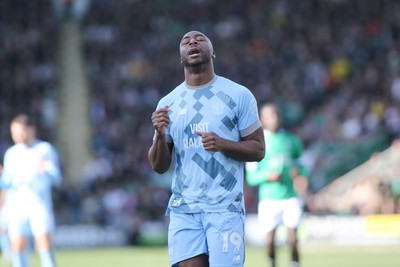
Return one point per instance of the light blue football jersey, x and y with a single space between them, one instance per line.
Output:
27 187
206 181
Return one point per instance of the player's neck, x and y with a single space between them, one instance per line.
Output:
194 78
30 142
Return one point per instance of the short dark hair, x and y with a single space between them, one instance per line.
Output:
23 119
273 105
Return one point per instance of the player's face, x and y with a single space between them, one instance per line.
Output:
195 49
21 134
270 118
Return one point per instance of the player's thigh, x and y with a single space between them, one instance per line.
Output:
196 261
18 230
225 238
186 238
293 213
270 214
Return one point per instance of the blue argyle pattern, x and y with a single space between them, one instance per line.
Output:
207 181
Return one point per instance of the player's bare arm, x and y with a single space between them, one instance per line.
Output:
274 177
3 195
160 152
250 148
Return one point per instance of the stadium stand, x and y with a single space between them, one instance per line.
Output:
332 66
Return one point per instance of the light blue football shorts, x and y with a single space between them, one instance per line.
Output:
220 235
27 222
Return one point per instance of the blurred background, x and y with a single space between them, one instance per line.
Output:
92 72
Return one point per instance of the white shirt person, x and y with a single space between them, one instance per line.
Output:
31 169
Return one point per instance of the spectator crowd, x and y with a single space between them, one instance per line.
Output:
333 67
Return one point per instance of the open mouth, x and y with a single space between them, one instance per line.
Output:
194 52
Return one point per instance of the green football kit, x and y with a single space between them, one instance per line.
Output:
282 150
278 200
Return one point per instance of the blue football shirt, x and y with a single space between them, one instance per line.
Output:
206 181
29 188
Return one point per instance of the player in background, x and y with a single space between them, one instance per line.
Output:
209 127
275 176
4 239
31 168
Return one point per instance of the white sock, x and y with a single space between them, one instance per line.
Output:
19 259
47 258
295 264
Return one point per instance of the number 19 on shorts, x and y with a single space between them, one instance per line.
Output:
233 240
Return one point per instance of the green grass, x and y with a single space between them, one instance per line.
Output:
312 256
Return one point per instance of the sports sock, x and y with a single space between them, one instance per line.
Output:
47 258
19 259
5 246
271 262
295 264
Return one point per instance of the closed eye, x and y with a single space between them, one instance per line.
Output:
199 38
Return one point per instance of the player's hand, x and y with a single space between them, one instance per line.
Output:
300 184
42 165
160 120
211 141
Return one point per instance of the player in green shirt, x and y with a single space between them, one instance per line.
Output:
275 174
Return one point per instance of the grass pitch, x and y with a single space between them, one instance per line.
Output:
312 256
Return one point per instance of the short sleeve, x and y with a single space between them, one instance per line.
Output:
248 120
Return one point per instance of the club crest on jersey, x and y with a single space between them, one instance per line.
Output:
217 108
